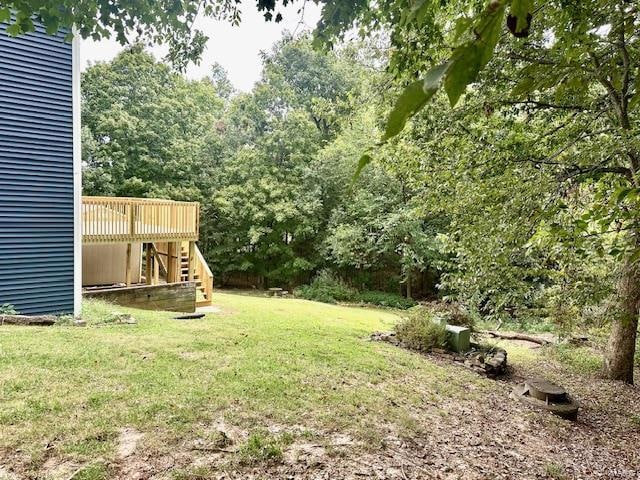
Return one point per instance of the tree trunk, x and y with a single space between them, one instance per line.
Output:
622 341
408 283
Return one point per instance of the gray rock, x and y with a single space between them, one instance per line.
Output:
122 318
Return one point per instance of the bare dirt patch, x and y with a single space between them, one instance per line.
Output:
55 469
5 474
128 442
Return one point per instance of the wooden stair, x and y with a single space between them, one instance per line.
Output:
201 291
202 275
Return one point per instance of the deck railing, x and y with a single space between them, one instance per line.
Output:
204 274
132 220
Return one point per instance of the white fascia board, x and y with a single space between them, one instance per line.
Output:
77 179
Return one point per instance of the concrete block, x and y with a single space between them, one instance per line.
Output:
458 338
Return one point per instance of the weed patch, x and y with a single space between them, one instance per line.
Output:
263 447
419 331
582 360
555 471
197 473
96 471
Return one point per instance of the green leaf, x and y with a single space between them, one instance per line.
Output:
363 162
464 69
462 25
604 225
52 25
433 78
14 30
524 87
636 96
468 59
635 256
490 29
418 11
412 99
5 15
621 193
615 252
520 9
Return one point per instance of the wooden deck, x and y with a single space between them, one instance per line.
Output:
136 220
165 230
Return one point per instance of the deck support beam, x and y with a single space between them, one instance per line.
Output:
192 261
128 266
149 268
156 270
173 256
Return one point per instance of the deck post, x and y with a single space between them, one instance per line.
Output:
149 270
133 209
128 266
156 269
192 260
172 257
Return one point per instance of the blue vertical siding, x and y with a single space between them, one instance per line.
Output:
36 173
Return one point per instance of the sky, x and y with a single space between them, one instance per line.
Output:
237 48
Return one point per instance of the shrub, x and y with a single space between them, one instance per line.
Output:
7 309
327 288
419 330
452 313
385 299
64 320
99 312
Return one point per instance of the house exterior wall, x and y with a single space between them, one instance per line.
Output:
39 180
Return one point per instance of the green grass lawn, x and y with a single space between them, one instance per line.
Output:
259 363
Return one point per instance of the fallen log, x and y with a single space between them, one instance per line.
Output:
27 320
516 336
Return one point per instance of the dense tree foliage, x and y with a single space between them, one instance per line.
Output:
273 168
147 131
